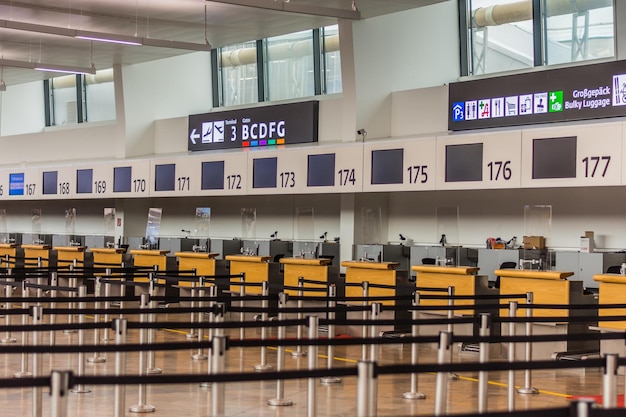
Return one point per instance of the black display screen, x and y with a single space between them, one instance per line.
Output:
122 179
554 158
213 175
581 92
264 172
165 177
321 170
387 166
464 162
84 181
50 182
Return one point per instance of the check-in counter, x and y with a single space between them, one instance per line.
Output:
8 250
66 255
612 290
381 273
550 287
318 269
153 258
107 257
203 263
33 252
256 269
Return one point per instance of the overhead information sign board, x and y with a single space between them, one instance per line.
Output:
575 93
255 127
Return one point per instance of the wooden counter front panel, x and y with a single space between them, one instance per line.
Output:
612 293
545 291
255 272
313 272
65 258
35 253
463 285
149 261
373 276
203 267
101 258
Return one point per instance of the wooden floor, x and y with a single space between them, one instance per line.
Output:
250 399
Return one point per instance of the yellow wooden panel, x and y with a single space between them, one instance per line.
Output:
463 285
373 276
370 265
305 261
255 272
246 258
532 274
107 258
612 293
11 251
545 291
456 270
312 272
66 255
35 252
203 266
615 278
144 259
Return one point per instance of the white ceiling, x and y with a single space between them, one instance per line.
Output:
227 22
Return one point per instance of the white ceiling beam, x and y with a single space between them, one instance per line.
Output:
286 6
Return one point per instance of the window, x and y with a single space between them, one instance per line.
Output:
503 35
296 65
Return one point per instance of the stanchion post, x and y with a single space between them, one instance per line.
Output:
441 388
299 352
151 367
376 308
280 360
450 326
142 406
71 284
218 357
59 385
311 405
528 354
414 394
24 372
609 386
211 332
483 376
54 282
330 353
242 303
107 305
37 319
192 334
582 407
264 366
365 329
511 357
8 291
80 389
200 355
96 358
119 328
367 391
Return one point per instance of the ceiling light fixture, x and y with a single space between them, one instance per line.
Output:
98 37
39 66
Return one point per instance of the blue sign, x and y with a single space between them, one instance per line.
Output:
458 112
16 184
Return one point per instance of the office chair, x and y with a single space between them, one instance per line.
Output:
614 269
505 265
429 261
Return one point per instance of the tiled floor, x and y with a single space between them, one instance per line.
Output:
250 398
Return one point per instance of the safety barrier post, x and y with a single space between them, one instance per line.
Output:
483 376
218 357
37 319
528 354
367 391
450 326
59 385
151 368
443 357
311 405
242 303
414 394
24 372
192 334
609 386
376 308
142 406
511 357
54 281
80 389
72 283
264 366
96 358
280 360
107 305
216 316
200 355
365 329
8 291
119 327
582 407
299 330
332 304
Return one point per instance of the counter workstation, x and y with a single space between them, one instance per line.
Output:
318 269
549 287
108 257
33 254
11 255
612 290
256 269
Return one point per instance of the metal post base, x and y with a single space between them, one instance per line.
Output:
199 357
154 371
453 376
96 359
68 331
205 385
527 390
8 340
142 408
413 395
106 339
191 336
300 353
279 402
80 390
263 368
19 375
329 380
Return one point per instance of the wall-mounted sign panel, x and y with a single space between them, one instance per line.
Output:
479 161
405 165
175 177
576 93
223 174
94 180
282 124
131 178
22 183
334 169
58 182
570 156
277 172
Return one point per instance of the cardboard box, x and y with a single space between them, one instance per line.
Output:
534 242
586 244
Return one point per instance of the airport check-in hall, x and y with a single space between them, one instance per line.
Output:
312 207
